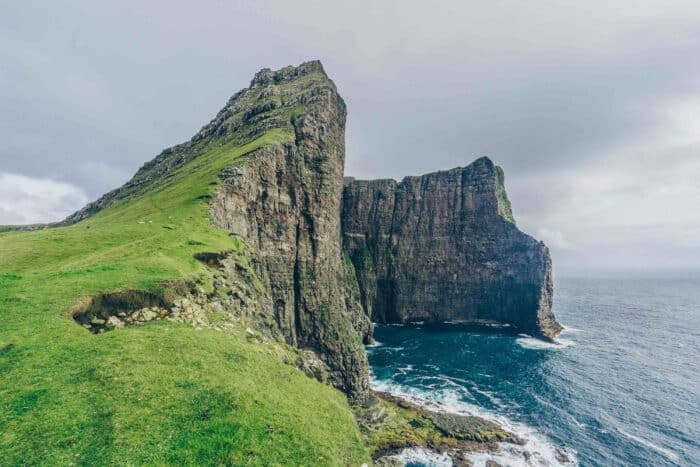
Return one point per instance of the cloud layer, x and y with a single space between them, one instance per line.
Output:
28 200
591 108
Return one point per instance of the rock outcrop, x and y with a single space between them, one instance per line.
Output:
439 247
281 204
284 203
444 247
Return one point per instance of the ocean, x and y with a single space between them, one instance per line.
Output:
621 387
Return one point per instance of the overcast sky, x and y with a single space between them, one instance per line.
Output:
592 108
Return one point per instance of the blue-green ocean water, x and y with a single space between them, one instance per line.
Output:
623 388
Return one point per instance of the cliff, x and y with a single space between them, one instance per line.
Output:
284 203
236 234
281 202
147 335
444 247
441 247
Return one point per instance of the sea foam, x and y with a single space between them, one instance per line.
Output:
532 343
537 450
666 452
424 456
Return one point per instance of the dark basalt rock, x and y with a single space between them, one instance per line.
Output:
284 203
439 247
444 247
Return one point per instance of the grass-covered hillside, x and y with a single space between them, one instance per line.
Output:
162 393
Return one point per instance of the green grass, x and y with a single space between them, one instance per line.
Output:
504 207
163 393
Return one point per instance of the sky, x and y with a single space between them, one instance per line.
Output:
592 108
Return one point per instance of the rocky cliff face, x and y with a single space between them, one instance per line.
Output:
444 247
284 203
281 203
439 247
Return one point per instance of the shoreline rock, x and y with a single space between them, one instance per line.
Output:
444 247
392 423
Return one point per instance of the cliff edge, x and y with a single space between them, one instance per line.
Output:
444 247
283 201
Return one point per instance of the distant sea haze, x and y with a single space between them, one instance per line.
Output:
621 388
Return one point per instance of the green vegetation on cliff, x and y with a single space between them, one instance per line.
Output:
163 393
504 207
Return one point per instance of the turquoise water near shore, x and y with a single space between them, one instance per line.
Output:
622 387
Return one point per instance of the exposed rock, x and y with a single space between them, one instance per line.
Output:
283 202
391 424
439 247
444 247
463 427
467 427
115 323
313 366
111 311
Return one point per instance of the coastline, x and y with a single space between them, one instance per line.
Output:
510 443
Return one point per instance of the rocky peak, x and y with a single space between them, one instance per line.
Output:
441 246
287 74
283 202
272 101
444 247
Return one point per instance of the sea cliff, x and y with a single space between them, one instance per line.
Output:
444 247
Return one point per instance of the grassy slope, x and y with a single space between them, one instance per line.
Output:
161 393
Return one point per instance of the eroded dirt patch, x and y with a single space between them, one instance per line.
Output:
105 312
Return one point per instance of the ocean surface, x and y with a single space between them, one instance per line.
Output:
622 387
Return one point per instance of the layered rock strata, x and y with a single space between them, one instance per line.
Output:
444 247
439 247
283 202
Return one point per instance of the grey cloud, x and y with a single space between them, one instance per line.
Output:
557 92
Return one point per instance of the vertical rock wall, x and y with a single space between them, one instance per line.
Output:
284 202
439 247
444 247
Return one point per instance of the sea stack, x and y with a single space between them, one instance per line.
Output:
445 247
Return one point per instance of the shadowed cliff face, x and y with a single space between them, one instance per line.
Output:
444 247
281 202
284 203
439 247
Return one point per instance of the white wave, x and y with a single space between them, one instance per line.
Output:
537 450
425 457
666 452
514 457
459 380
560 410
569 329
375 343
490 396
528 342
484 324
497 325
